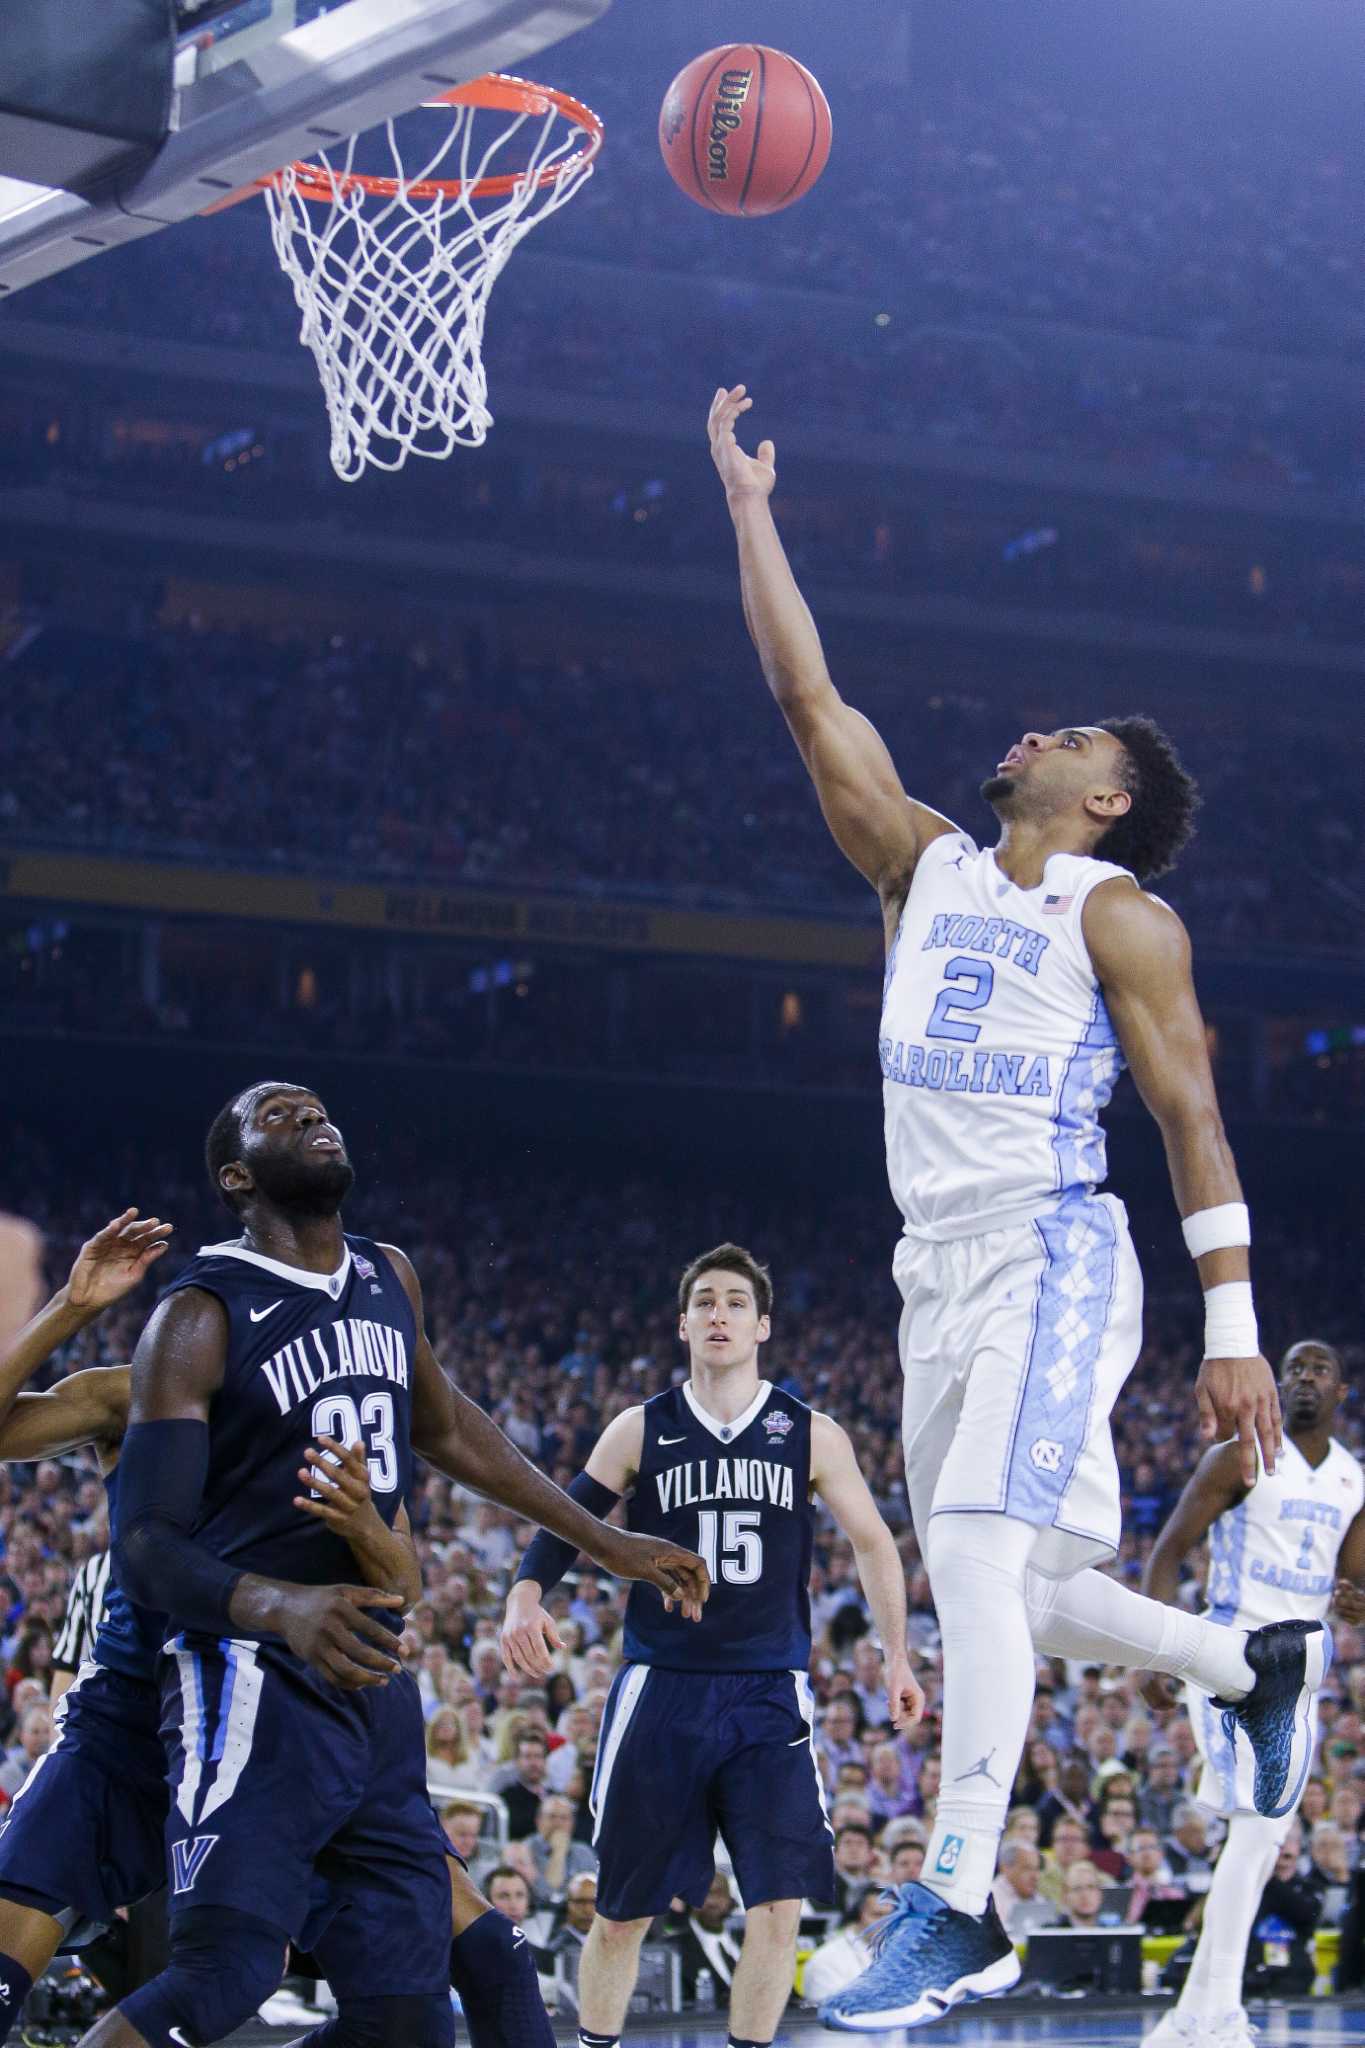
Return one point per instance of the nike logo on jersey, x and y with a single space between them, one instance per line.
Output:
674 1439
183 2039
258 1315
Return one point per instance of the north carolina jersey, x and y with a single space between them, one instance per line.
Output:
739 1494
1274 1556
308 1355
997 1052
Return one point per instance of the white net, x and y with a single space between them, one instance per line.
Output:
393 284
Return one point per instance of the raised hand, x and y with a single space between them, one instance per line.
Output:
112 1262
744 476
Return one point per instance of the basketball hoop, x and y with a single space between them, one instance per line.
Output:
392 274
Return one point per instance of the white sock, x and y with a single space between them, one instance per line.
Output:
1214 1985
1092 1616
976 1568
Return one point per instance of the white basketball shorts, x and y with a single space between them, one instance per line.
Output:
1014 1346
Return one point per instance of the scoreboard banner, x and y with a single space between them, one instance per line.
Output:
452 912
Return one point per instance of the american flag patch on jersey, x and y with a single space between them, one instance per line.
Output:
1053 906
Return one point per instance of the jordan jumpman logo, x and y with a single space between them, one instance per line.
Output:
980 1769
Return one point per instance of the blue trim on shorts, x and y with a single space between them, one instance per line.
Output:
1075 1297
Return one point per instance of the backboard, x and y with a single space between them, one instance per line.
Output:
262 81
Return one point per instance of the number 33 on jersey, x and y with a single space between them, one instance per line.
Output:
308 1355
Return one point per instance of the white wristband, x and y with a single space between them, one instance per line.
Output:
1230 1321
1216 1230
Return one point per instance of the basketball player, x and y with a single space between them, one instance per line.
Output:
294 1737
1275 1550
713 1727
86 1833
1019 979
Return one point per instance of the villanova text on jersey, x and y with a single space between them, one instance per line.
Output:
739 1494
308 1355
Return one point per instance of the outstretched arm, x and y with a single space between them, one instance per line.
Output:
528 1636
837 1480
106 1268
876 825
454 1434
1141 953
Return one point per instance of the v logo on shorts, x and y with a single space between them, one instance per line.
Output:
188 1859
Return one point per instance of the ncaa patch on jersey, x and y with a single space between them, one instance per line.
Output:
777 1427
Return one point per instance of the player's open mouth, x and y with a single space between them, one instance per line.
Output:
322 1143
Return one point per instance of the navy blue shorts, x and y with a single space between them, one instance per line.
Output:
686 1755
282 1784
87 1829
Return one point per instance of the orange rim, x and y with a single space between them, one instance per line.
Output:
495 91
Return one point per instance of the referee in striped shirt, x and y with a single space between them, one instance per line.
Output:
84 1612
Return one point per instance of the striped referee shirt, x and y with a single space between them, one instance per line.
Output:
84 1613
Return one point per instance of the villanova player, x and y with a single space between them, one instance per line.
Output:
1277 1550
294 1737
1020 979
711 1728
86 1833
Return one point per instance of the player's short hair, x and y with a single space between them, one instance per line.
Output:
1151 834
728 1258
224 1141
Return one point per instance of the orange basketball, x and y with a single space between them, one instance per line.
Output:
745 129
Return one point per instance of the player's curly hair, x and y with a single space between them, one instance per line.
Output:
1153 832
728 1258
224 1141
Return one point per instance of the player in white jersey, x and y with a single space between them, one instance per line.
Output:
1019 979
1277 1550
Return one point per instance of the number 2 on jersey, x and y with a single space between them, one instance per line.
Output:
735 1552
336 1415
976 980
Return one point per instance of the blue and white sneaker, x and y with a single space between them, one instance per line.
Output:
1290 1659
928 1957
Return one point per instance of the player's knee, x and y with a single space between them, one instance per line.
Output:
423 2020
224 1965
620 1933
773 1923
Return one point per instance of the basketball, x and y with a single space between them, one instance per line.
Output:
745 130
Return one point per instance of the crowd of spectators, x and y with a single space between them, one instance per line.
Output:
605 775
551 1302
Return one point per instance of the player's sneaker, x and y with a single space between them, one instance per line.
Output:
1197 2030
928 1957
1290 1660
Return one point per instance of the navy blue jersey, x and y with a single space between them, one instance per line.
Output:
308 1354
129 1638
739 1495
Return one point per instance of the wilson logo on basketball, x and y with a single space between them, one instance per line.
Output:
726 115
